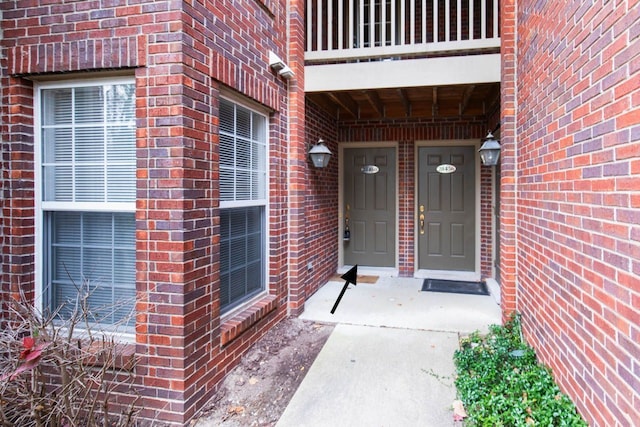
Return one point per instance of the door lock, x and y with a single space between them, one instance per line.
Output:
421 219
347 233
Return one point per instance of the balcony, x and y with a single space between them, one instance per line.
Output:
367 59
345 30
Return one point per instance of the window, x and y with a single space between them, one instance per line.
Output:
87 187
243 202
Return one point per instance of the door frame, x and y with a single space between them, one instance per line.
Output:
387 271
447 274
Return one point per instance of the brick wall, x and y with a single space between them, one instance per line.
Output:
322 201
407 210
486 221
297 166
508 153
578 178
182 54
17 186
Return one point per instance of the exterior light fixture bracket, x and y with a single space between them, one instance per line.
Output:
279 66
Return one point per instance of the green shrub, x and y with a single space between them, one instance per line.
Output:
501 383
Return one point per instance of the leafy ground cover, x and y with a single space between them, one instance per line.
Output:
501 383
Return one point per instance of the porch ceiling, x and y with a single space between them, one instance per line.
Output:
431 102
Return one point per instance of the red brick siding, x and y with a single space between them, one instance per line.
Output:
508 152
182 53
17 187
578 132
486 221
297 165
489 188
412 129
407 210
322 201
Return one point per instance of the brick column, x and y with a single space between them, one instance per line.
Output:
407 216
297 161
508 184
175 234
18 203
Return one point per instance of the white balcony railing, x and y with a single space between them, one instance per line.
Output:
352 29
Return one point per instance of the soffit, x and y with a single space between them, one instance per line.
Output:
436 102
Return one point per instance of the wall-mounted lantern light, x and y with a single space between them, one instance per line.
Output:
320 154
490 151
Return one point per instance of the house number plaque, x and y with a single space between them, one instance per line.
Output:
445 168
369 169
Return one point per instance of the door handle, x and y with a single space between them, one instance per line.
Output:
421 218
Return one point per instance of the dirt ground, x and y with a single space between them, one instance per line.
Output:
258 390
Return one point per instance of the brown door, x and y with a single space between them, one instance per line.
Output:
369 208
446 208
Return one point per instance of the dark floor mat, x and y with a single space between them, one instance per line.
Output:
455 287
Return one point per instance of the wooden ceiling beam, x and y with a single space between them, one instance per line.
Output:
434 103
375 101
404 98
494 100
326 104
346 102
466 96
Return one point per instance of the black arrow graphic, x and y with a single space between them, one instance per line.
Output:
350 276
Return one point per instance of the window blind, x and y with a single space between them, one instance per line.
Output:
87 146
93 253
241 254
87 150
243 151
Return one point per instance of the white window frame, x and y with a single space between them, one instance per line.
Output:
263 202
42 206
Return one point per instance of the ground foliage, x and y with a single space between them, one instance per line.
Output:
61 370
502 384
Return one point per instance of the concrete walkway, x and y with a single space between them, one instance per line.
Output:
389 360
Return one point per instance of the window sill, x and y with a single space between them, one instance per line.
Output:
121 356
233 327
113 349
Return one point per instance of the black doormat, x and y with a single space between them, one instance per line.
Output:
455 287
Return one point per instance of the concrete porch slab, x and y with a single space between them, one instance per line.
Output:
398 303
